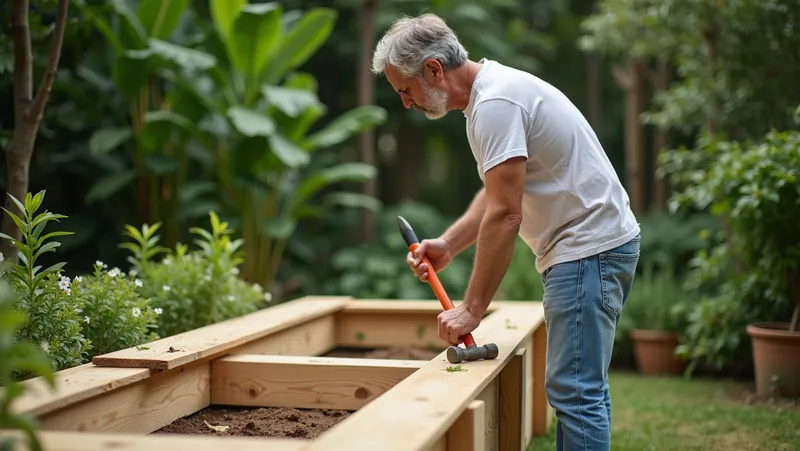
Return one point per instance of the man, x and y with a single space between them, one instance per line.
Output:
547 179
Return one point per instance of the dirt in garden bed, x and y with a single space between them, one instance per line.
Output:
392 353
275 422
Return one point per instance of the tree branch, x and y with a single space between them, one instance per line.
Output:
52 63
23 59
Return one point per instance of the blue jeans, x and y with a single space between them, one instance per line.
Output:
583 300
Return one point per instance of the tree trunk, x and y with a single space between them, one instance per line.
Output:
28 110
366 96
661 141
593 92
631 81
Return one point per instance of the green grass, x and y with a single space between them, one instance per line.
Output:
654 414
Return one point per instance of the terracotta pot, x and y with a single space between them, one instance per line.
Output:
655 352
776 358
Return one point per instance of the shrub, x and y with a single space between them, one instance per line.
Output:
115 314
755 188
193 288
18 356
52 313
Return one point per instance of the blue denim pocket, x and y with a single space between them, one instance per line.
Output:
617 270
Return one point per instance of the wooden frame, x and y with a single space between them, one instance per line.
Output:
271 358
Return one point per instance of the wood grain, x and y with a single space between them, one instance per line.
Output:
172 352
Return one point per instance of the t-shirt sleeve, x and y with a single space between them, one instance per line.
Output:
500 130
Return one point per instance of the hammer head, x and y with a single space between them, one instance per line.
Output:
457 354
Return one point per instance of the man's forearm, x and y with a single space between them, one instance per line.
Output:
496 240
464 232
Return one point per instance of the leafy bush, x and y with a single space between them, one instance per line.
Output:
755 189
115 314
18 357
45 297
193 288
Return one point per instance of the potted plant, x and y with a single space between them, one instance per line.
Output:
653 318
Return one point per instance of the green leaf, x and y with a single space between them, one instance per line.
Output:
280 227
130 71
224 14
290 101
354 200
132 33
346 125
251 123
159 126
160 18
109 184
160 164
352 172
107 139
253 37
302 41
189 59
288 152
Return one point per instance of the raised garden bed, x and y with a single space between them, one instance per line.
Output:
318 373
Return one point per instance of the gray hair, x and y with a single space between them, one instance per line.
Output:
409 42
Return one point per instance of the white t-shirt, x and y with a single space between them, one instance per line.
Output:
574 205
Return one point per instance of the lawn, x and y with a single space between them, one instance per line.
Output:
653 414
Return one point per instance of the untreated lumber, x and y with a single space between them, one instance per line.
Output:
419 410
139 408
304 382
467 433
511 407
86 441
174 351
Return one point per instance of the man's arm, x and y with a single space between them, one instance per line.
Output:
464 232
498 232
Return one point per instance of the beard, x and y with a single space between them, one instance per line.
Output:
435 101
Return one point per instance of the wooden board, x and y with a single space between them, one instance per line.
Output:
172 352
84 441
418 411
74 385
305 382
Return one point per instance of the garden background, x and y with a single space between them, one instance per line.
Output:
203 159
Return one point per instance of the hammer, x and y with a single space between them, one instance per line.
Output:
455 354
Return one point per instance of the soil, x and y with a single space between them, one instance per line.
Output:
392 353
275 422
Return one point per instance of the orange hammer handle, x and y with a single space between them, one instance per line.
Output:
438 289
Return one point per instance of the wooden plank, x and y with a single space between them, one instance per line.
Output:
139 408
393 306
467 433
529 390
172 352
315 337
511 409
542 411
85 441
369 329
74 385
422 407
490 396
305 382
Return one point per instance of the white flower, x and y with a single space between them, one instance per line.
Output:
137 282
86 319
235 271
231 298
166 288
63 283
79 279
257 287
2 258
167 261
101 264
268 297
132 273
136 312
45 346
114 272
158 310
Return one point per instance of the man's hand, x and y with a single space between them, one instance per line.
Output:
456 322
437 252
